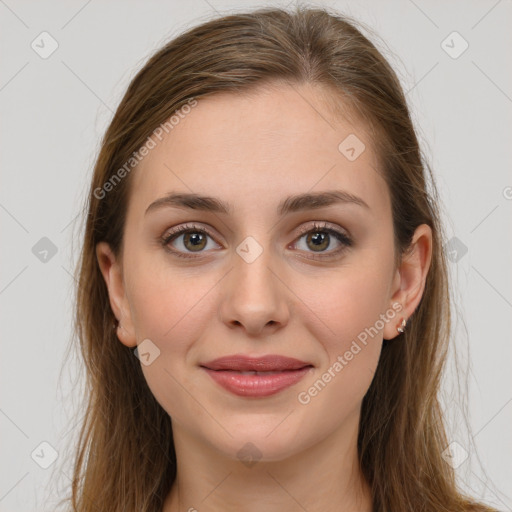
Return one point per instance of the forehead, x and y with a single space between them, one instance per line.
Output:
254 149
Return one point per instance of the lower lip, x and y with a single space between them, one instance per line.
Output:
256 385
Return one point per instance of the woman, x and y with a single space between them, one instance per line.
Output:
263 303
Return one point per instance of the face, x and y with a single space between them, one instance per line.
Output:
313 281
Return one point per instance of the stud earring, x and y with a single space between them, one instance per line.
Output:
401 327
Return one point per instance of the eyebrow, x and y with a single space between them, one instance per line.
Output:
296 203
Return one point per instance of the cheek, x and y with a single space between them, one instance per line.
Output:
171 310
167 306
344 312
342 305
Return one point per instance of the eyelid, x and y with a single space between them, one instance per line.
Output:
178 230
323 226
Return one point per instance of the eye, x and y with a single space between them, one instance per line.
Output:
318 238
189 239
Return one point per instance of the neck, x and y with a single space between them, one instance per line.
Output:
323 477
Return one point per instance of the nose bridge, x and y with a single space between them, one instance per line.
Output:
256 297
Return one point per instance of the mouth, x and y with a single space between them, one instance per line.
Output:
256 377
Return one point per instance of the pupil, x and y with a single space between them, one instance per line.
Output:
319 239
196 240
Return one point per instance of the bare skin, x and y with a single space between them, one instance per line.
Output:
294 299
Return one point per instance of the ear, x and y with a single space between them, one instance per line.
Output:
410 278
112 273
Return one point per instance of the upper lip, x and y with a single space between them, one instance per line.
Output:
242 363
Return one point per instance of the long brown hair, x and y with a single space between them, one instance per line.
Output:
125 459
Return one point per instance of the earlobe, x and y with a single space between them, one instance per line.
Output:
410 278
112 274
126 337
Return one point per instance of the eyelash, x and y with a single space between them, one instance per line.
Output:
345 240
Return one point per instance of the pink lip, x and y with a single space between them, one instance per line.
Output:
285 372
243 363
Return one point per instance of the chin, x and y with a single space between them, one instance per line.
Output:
251 449
253 441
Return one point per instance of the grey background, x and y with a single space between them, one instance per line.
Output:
54 112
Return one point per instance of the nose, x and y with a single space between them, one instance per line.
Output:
254 297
